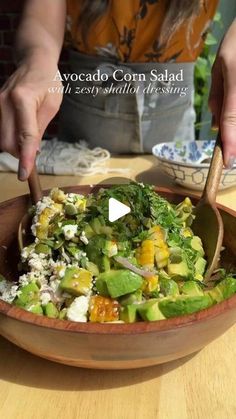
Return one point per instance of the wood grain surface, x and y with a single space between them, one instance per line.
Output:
202 386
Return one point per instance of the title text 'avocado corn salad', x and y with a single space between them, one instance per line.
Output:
146 266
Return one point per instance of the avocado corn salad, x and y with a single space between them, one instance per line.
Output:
147 266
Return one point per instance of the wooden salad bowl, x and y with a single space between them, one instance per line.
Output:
109 346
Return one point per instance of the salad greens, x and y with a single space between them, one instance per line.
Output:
148 265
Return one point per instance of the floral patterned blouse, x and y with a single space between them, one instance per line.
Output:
130 29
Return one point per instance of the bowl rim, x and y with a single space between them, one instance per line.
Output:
142 327
185 164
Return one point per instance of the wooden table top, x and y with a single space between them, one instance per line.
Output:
200 386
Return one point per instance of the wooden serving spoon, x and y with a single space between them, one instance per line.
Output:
35 195
208 224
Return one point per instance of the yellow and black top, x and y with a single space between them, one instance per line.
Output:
130 29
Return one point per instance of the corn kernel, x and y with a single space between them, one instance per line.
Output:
103 309
44 219
57 195
145 254
150 284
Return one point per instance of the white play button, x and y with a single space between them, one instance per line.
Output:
117 210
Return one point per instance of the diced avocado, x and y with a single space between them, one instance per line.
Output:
227 287
95 252
215 294
196 244
42 248
178 270
119 282
200 265
91 267
50 310
192 288
2 278
29 292
35 308
124 247
168 286
76 281
184 210
71 209
150 310
58 243
99 227
62 314
104 264
128 299
49 242
178 306
175 254
129 313
80 203
89 232
101 286
106 230
72 250
95 224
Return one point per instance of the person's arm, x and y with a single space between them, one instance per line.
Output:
25 103
222 99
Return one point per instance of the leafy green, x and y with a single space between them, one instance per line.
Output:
145 204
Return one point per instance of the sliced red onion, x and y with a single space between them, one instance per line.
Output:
126 263
54 297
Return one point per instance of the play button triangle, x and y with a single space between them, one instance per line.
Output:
117 210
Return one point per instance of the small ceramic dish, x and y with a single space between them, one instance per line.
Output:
187 163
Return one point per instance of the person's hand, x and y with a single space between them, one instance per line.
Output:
26 108
222 98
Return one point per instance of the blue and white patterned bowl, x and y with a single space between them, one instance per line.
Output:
182 161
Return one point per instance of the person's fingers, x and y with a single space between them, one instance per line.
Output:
7 126
47 111
228 117
28 135
216 94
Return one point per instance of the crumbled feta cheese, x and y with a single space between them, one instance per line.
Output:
24 280
57 268
83 238
25 253
61 272
69 231
8 291
45 202
3 286
34 226
45 297
37 262
77 312
55 285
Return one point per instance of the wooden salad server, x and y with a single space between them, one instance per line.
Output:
35 195
208 224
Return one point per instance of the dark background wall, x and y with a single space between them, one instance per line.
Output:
9 19
10 11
